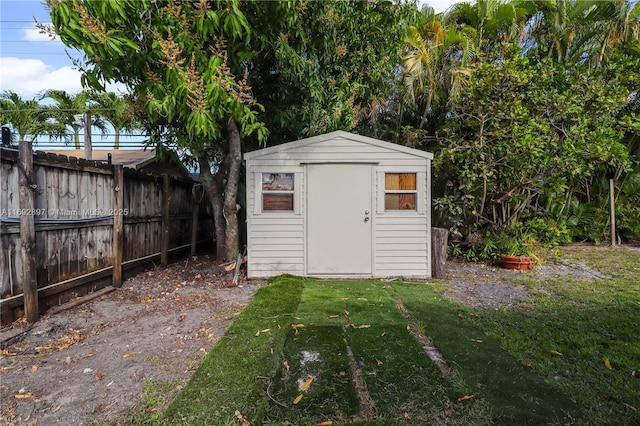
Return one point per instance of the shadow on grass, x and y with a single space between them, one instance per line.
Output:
515 393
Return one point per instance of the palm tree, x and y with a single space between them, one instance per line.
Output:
117 111
28 118
69 106
435 60
497 24
577 31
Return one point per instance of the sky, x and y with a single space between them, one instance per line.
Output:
31 62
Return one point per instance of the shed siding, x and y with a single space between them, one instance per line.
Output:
276 241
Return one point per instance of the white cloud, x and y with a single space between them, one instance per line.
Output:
34 34
28 77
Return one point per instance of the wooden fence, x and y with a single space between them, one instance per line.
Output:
71 226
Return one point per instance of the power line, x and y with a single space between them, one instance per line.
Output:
44 108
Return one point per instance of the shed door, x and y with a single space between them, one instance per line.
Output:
339 212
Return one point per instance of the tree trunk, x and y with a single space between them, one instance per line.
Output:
214 191
231 190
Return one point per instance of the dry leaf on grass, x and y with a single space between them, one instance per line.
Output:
306 384
465 398
607 364
298 398
361 326
241 419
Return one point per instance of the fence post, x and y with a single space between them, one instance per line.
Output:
118 224
28 233
164 254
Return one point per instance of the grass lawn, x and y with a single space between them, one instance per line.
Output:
319 352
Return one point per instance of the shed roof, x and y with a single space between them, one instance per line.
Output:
339 134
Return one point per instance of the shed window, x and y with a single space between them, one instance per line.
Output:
277 192
400 191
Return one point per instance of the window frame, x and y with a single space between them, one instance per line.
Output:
258 192
419 191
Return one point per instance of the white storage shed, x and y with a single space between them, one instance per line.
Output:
339 205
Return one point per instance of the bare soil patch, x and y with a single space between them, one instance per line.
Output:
89 364
483 286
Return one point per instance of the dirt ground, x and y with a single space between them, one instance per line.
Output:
89 364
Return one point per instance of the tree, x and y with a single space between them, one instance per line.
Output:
497 24
175 56
67 109
581 31
28 118
435 61
117 111
327 65
523 135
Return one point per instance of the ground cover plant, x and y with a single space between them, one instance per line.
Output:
319 352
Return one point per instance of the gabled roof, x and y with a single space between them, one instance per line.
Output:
339 134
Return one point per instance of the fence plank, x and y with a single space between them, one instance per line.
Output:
194 228
28 234
166 201
118 225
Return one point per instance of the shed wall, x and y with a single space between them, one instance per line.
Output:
276 241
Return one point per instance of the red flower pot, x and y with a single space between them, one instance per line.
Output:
517 262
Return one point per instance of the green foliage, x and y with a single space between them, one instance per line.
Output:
336 62
175 56
522 133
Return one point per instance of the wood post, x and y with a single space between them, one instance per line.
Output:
88 150
28 233
164 251
194 228
118 224
439 237
612 207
